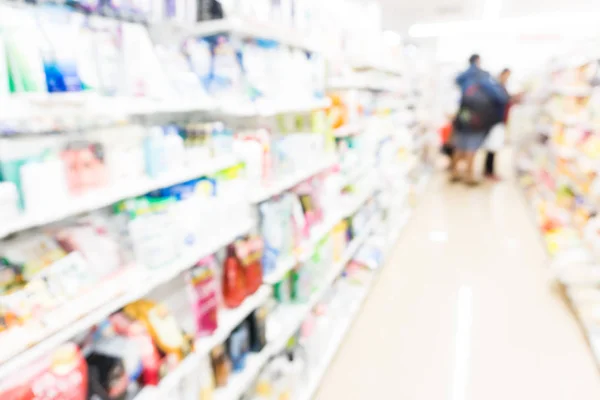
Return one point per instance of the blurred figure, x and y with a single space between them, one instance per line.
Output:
497 136
472 73
481 98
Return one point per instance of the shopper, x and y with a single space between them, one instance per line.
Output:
481 97
472 73
496 138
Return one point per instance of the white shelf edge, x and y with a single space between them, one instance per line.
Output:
349 84
254 29
143 284
342 329
283 267
350 129
334 345
107 196
286 183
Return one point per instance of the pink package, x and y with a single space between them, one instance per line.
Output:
203 289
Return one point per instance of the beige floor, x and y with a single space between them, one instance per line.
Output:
464 311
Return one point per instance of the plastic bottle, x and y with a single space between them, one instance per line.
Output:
234 285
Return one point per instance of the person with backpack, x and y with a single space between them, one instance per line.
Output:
481 97
465 79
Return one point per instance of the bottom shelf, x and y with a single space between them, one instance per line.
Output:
334 344
343 327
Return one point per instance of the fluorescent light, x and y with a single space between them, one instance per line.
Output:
565 24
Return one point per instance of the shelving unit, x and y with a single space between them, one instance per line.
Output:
107 196
106 300
556 166
241 107
281 185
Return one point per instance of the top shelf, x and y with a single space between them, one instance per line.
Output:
263 30
255 29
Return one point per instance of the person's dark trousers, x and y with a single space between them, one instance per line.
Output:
489 163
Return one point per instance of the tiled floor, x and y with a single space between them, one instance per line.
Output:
465 311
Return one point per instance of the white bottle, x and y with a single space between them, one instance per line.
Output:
174 149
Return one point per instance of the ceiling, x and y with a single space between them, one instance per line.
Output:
399 15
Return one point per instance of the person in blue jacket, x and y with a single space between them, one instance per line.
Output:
472 73
467 143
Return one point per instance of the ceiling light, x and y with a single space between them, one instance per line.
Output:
573 25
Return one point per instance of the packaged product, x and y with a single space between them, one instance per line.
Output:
108 377
272 234
62 375
238 346
142 342
60 31
221 365
234 279
85 167
203 288
257 323
282 289
23 41
162 326
300 291
32 253
249 253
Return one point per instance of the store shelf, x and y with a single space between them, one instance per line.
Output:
105 300
350 129
398 227
104 197
368 66
306 250
228 321
239 382
283 267
281 185
294 315
270 108
252 29
358 83
357 173
317 374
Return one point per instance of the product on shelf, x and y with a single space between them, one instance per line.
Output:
238 346
556 168
258 329
204 292
234 279
62 375
162 327
221 365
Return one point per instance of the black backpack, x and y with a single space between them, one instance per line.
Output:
477 112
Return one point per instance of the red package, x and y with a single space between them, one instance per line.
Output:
234 282
61 375
250 254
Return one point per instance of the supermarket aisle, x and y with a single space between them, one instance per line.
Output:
464 311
